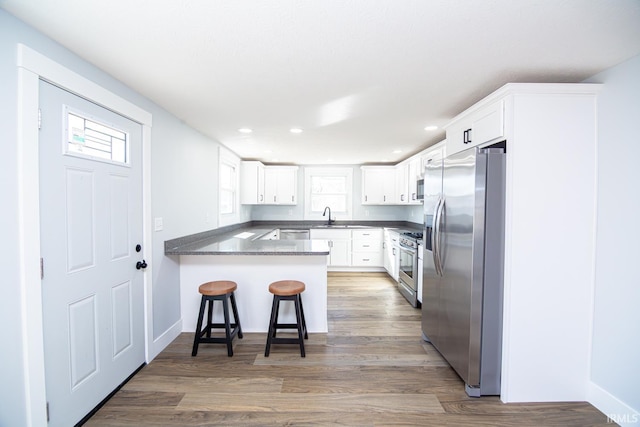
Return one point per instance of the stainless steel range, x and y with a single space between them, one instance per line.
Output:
408 277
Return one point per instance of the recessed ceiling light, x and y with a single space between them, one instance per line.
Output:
430 128
397 151
245 130
295 130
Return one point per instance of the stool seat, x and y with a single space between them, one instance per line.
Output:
218 287
286 288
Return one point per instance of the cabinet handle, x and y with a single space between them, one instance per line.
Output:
274 199
293 198
365 198
365 246
365 259
466 136
402 197
261 198
384 198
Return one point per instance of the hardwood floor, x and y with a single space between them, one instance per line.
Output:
371 369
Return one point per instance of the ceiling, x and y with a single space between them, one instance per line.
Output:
361 78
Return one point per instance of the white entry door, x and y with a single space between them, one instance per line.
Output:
91 229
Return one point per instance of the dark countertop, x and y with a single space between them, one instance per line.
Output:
244 239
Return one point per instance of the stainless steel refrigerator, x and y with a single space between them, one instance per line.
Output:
463 264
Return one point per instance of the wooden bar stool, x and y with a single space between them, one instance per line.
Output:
286 290
221 290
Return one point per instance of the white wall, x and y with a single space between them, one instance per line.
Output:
360 212
184 188
615 366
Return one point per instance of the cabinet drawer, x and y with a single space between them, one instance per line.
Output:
366 259
366 245
367 234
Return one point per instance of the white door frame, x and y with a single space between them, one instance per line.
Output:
33 66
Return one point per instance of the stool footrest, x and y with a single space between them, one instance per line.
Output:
280 340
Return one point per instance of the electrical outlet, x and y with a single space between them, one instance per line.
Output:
366 213
290 212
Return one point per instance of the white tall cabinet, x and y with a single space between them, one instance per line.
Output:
550 133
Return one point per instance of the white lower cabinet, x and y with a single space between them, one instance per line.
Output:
366 247
391 252
339 245
352 248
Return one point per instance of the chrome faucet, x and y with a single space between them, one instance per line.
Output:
325 212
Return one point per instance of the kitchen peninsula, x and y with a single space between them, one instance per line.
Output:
245 255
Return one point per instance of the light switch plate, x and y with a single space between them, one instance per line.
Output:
157 224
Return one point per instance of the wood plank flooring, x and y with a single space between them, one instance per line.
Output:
371 369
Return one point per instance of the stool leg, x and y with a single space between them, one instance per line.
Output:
235 314
196 339
227 324
210 317
272 322
304 323
275 330
299 323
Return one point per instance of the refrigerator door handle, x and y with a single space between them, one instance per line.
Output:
433 237
436 236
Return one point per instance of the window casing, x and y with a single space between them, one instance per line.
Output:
228 188
330 187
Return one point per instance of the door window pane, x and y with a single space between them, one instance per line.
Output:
88 138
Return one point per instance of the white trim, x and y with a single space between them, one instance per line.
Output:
164 340
229 158
615 409
33 66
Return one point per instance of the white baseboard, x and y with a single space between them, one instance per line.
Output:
617 411
160 343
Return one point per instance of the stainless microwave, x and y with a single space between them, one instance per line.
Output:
420 189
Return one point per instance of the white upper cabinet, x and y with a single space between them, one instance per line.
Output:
402 183
378 185
281 185
415 173
481 126
251 183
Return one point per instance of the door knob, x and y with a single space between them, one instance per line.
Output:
141 264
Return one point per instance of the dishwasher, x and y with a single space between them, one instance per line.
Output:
294 234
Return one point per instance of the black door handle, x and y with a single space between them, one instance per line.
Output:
141 264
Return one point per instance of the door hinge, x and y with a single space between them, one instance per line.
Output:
41 268
48 412
39 119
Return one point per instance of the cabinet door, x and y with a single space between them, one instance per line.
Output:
457 136
251 183
270 186
280 185
340 255
378 185
402 184
415 174
386 253
287 186
488 124
482 126
339 245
